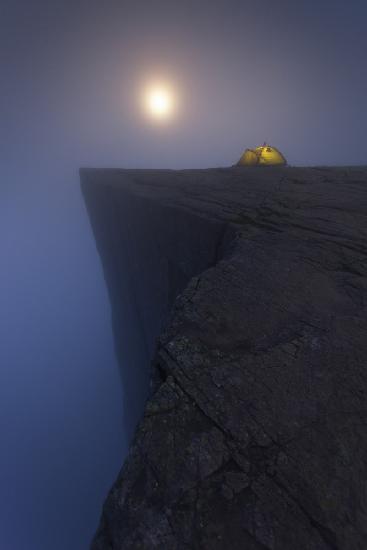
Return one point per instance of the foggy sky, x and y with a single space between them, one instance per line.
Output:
291 73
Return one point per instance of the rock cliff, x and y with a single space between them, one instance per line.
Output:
239 311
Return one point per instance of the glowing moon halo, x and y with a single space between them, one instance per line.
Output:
159 102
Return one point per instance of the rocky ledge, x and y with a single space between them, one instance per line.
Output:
239 310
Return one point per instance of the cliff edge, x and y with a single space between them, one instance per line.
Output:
239 310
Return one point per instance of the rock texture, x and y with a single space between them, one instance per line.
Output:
254 435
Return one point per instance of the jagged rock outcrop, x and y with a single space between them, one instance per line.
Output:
254 433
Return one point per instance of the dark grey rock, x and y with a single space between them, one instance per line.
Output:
254 281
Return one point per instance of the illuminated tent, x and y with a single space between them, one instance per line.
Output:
265 154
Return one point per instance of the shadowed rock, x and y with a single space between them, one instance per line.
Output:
254 281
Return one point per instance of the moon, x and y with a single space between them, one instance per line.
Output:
159 102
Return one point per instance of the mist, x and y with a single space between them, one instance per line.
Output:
71 74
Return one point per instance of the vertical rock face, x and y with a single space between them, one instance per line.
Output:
149 254
254 433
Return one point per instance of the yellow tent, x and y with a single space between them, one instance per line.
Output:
265 154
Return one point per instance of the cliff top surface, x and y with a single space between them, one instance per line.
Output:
224 192
255 435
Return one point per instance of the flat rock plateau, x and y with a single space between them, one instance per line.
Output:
238 299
